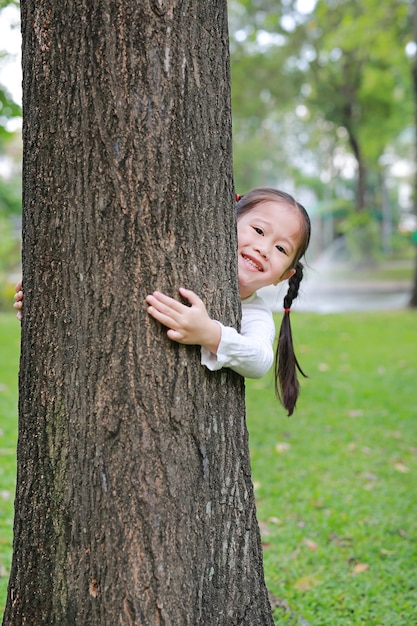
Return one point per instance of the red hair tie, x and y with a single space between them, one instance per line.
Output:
287 310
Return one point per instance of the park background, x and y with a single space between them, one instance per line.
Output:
324 107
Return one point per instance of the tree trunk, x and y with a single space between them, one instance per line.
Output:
134 501
361 179
413 299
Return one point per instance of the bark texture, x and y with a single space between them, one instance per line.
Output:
134 502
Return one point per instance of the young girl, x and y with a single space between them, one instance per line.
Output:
273 233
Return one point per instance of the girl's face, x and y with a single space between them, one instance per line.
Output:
268 237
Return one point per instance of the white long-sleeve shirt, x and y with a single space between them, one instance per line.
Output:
249 353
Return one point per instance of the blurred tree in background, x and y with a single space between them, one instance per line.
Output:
324 105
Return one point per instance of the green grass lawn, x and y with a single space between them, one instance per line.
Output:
335 483
9 359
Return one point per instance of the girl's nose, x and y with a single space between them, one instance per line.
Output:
263 251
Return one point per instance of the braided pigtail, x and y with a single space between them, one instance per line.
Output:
286 382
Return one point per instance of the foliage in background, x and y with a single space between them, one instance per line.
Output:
360 77
9 109
5 3
362 238
324 105
11 176
10 187
10 218
317 87
9 261
9 245
318 97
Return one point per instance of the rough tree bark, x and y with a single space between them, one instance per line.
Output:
134 501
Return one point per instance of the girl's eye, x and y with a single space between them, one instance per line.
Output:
258 230
281 249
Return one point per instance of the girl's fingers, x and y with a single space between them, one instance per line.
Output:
164 303
189 295
177 317
173 304
159 297
174 335
161 317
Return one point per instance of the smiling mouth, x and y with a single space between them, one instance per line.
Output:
251 262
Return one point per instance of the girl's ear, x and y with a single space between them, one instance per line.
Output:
286 276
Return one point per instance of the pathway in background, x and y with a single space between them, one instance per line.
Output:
323 293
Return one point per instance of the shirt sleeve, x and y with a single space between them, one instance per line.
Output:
249 353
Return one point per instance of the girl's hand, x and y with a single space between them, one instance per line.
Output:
187 324
18 300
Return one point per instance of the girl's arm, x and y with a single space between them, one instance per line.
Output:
250 352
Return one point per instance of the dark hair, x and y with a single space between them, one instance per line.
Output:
287 386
